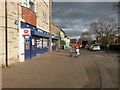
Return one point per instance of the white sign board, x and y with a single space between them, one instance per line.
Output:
23 33
26 32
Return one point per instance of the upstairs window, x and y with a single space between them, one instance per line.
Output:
25 3
45 17
32 6
46 2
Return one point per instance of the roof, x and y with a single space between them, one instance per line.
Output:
60 29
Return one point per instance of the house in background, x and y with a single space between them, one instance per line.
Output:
55 31
63 38
117 40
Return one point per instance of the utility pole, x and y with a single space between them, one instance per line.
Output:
6 34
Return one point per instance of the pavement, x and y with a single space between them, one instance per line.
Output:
57 70
50 70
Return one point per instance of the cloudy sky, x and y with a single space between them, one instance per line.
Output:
75 17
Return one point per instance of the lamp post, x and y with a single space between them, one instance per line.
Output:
118 18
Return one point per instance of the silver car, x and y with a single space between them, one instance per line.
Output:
95 47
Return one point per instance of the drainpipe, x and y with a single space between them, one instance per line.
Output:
6 34
50 17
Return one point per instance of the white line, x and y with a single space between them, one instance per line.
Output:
109 57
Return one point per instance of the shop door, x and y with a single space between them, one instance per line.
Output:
27 48
39 45
30 47
54 45
33 46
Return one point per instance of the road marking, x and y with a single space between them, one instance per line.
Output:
109 57
98 55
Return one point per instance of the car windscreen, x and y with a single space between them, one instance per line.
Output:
95 45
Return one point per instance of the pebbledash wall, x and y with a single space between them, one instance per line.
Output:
32 15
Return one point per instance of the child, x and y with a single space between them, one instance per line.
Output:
77 52
71 51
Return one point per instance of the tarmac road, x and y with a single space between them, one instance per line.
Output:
105 70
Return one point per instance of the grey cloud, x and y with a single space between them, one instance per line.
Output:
75 14
85 0
73 33
81 9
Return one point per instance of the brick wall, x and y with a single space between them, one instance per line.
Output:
29 16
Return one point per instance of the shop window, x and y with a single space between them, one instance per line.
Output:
45 43
39 43
33 44
27 44
54 42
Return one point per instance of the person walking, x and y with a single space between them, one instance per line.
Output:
107 48
71 51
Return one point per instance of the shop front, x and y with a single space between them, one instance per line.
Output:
63 43
54 42
30 47
37 43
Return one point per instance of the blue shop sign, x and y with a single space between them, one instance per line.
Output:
35 31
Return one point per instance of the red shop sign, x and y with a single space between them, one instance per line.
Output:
26 32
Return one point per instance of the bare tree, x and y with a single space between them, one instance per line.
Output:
86 36
116 6
104 29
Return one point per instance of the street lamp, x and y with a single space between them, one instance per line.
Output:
118 6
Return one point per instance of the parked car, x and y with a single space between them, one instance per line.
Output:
94 47
86 46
